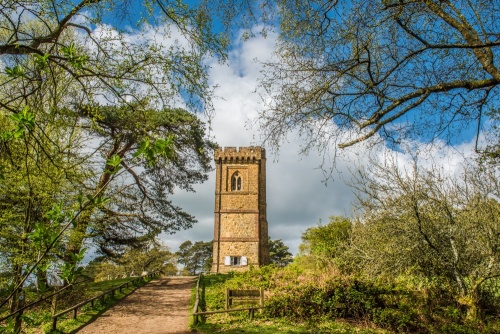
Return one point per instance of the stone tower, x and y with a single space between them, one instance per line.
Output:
240 228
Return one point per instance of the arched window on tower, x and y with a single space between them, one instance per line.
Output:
236 182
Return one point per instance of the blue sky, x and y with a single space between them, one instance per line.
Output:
297 196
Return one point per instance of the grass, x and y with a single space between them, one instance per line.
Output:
231 324
96 288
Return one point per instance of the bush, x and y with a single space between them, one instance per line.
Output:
344 297
408 305
397 320
489 298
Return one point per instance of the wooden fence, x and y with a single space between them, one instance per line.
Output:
102 296
247 295
244 297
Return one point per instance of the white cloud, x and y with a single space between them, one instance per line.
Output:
296 197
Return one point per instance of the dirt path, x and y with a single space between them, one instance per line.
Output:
162 306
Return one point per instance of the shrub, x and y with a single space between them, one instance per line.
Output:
397 320
408 305
345 297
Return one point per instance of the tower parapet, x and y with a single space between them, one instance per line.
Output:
242 153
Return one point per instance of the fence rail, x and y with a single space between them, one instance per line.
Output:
36 302
91 300
248 295
251 311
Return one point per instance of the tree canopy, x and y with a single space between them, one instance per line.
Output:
279 253
325 245
425 223
98 127
393 71
196 257
155 151
160 59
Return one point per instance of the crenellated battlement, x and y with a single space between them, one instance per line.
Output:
240 154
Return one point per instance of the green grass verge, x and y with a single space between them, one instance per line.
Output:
232 324
41 321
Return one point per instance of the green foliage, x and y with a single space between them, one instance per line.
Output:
421 223
41 62
114 164
51 144
51 48
237 325
71 54
24 122
195 257
326 245
8 327
271 278
297 295
159 148
152 258
15 72
279 253
336 297
213 288
70 270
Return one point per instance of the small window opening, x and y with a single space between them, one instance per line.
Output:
236 182
235 260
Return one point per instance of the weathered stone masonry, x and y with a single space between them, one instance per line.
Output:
240 225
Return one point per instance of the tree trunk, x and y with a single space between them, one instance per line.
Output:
17 300
471 302
76 238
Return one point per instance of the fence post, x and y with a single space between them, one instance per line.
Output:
54 323
197 301
53 305
19 316
261 299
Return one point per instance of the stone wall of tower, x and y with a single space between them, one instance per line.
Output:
240 228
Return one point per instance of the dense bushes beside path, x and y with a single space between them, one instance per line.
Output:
390 306
305 296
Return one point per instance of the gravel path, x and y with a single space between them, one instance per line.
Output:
160 307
